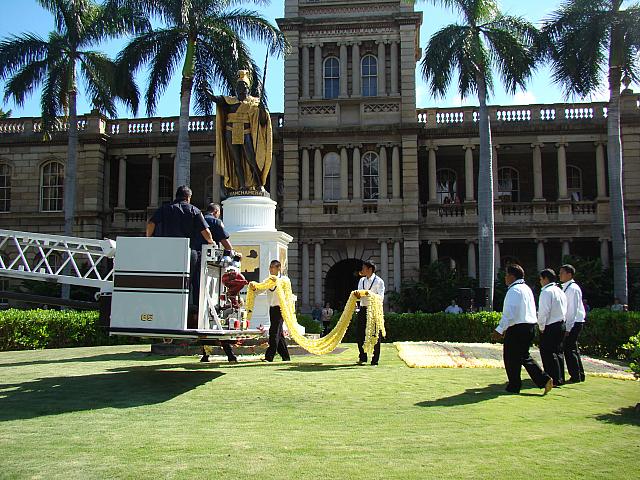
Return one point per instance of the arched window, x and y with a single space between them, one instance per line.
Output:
369 69
574 183
5 187
508 184
331 77
331 177
370 166
51 186
447 181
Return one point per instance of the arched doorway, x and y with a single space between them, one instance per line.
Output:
341 279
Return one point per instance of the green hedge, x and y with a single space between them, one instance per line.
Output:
604 335
309 324
33 329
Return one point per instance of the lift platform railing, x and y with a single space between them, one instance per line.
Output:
55 258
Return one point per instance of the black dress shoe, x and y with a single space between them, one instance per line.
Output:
373 364
572 380
204 358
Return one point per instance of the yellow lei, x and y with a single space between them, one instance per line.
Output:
326 344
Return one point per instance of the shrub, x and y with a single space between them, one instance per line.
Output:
633 350
33 329
606 332
310 325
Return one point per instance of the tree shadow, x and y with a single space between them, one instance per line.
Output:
125 387
473 395
103 357
622 416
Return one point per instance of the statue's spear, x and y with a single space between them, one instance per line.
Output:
264 77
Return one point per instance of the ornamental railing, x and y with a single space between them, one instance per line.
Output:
557 113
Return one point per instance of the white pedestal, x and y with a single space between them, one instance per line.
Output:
251 223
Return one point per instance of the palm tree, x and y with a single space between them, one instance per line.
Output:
208 39
4 114
585 39
485 40
30 62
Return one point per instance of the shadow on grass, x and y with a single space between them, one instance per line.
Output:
319 367
473 395
118 388
104 357
623 416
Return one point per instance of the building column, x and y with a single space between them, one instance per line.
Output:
357 175
384 261
305 72
317 174
317 273
382 173
600 171
537 171
468 174
304 176
433 251
122 181
395 172
562 170
344 174
273 178
397 278
566 250
155 180
355 70
106 185
494 171
317 74
497 263
604 253
344 75
540 260
432 172
394 68
471 259
382 78
305 274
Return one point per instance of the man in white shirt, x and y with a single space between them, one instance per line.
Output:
552 309
517 325
453 308
574 323
277 342
372 282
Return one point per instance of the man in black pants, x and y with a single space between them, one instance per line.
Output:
518 326
575 322
373 283
277 342
552 309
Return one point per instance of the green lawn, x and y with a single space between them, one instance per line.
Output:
118 412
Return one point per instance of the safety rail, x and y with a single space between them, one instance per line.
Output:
56 258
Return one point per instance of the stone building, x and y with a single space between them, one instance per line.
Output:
359 172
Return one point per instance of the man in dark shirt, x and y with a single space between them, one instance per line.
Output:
218 232
182 220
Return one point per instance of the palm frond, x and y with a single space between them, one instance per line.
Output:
18 52
21 85
167 56
441 57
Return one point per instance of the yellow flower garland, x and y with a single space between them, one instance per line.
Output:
326 344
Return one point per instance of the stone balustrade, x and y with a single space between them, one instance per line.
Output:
514 114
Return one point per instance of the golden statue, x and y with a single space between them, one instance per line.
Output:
243 138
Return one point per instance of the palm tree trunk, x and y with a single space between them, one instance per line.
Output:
614 157
183 154
69 200
485 196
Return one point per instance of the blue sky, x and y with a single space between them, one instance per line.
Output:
20 16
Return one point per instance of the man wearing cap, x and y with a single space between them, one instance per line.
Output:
243 138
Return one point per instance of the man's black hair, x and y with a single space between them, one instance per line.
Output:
549 274
183 192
